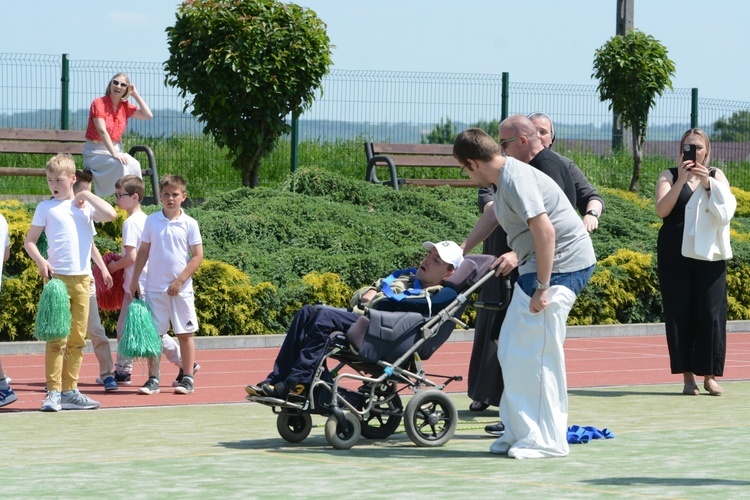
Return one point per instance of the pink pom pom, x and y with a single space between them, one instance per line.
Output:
109 299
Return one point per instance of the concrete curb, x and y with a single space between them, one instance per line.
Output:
258 341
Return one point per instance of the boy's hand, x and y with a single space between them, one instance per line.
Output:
175 287
45 269
108 281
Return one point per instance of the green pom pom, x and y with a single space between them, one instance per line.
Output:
139 337
53 318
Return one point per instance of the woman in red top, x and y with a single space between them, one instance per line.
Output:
108 117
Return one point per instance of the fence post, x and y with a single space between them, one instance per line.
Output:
65 79
504 96
295 142
694 109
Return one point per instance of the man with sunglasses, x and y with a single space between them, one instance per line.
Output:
519 139
108 116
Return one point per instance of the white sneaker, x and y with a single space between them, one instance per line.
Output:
74 400
51 401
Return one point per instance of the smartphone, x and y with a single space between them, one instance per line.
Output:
688 152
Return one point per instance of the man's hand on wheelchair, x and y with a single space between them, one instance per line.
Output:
505 264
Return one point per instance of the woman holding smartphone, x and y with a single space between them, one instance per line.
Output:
694 292
108 117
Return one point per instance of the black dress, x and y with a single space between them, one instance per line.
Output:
485 380
694 297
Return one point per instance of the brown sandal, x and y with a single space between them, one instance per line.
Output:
691 390
713 387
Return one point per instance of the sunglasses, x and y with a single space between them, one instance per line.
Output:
117 83
120 195
504 143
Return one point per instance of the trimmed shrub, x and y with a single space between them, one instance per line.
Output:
227 303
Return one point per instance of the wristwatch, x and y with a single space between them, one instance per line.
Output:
541 286
593 212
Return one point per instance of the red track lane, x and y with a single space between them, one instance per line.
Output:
591 362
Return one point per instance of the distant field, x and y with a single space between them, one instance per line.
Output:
209 172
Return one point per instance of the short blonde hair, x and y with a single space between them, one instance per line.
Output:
62 163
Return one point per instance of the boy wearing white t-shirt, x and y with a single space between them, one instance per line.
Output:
172 246
68 222
129 192
7 396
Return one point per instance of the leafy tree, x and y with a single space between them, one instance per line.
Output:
632 70
444 133
492 127
734 129
244 65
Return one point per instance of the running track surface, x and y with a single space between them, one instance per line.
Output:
591 362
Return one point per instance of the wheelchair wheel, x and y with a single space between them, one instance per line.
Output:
294 427
343 437
385 416
431 418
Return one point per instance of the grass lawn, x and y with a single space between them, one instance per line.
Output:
665 446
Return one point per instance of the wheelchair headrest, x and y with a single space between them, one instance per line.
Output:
472 268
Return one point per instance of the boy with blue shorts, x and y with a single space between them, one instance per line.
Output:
171 244
68 222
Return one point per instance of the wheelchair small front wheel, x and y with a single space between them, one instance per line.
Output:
430 418
343 437
294 427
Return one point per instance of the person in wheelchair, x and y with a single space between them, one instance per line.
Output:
409 290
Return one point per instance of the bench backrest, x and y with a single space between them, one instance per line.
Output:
393 155
21 140
414 155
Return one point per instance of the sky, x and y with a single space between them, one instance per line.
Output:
544 41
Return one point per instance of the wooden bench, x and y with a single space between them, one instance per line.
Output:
52 142
393 156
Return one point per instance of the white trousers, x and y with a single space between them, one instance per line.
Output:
106 168
534 404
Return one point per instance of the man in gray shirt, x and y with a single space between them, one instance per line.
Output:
556 260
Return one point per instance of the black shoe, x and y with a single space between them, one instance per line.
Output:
185 386
277 390
283 389
478 406
150 387
122 378
177 381
254 390
497 429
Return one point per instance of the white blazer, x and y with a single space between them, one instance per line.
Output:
707 216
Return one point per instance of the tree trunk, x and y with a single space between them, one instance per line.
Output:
637 159
254 179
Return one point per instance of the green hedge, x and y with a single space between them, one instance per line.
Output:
321 236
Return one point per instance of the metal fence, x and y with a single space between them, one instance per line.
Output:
353 106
